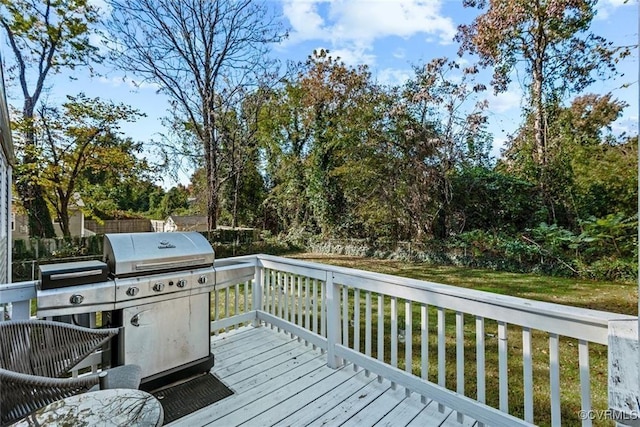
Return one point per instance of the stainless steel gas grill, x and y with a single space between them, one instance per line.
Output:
157 291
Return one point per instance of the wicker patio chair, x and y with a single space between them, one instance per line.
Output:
37 355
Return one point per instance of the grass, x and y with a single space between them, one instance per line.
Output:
597 295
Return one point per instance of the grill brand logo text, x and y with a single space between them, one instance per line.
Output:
165 244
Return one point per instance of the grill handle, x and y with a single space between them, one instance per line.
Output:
75 274
151 266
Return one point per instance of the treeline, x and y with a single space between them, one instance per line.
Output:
320 149
338 156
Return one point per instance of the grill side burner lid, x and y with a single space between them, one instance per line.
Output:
53 276
136 254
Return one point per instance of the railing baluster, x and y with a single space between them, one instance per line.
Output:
585 381
247 285
323 310
460 359
316 306
300 303
274 291
356 323
216 311
226 304
554 373
503 367
424 345
367 327
394 335
408 341
527 364
480 363
307 307
257 293
280 290
285 297
266 290
442 378
292 298
380 334
333 321
345 316
236 301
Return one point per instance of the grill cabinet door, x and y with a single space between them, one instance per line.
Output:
168 333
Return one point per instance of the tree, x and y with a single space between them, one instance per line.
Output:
439 127
591 170
239 136
175 201
45 37
285 137
550 39
79 140
337 101
199 53
309 129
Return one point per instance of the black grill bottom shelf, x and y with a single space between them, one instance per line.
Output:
190 396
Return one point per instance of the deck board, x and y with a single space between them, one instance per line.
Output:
280 381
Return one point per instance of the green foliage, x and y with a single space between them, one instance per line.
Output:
82 155
486 199
45 38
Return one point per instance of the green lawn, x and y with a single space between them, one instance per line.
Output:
606 296
597 295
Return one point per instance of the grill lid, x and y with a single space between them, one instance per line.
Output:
136 254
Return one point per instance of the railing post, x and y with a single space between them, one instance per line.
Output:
333 321
257 292
21 310
624 391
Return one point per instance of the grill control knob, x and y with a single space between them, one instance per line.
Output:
181 283
158 287
202 280
76 299
132 291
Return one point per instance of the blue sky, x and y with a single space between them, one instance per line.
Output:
389 36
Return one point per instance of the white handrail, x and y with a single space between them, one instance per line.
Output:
317 303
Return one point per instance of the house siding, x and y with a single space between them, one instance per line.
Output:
6 159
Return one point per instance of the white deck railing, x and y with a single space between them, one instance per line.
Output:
397 328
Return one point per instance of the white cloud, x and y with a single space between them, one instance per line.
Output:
399 53
393 76
355 25
604 8
102 5
353 55
627 124
499 144
306 22
506 101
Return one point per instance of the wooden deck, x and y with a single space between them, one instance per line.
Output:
280 381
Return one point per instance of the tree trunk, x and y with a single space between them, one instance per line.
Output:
539 122
31 194
236 196
212 187
64 220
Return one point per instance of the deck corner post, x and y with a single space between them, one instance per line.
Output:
257 292
624 372
333 321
